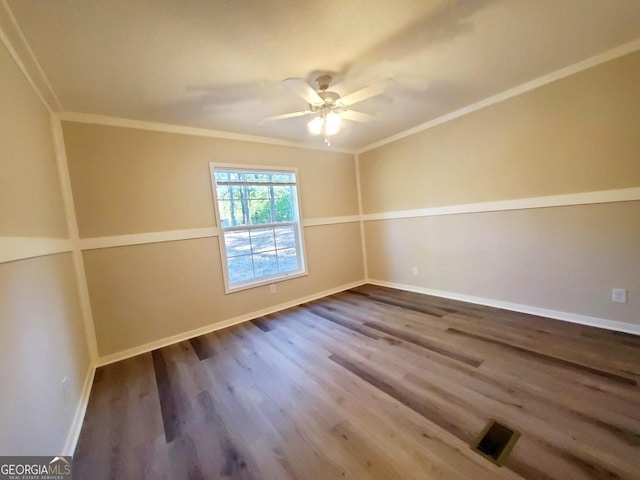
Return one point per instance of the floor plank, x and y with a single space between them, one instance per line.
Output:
371 383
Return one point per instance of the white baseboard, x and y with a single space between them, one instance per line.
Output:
78 418
517 307
148 347
74 431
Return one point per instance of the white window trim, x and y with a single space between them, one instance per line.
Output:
302 253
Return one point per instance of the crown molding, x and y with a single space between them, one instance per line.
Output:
512 92
184 130
14 40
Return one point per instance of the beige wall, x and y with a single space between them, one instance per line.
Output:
41 333
41 342
30 201
565 259
144 293
579 134
576 135
134 181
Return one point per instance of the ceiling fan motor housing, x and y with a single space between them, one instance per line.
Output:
329 98
323 82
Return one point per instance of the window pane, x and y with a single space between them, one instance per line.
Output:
285 237
283 178
249 200
258 177
230 206
259 192
282 191
221 176
224 208
287 260
283 205
237 243
240 269
260 212
262 240
265 264
224 192
238 211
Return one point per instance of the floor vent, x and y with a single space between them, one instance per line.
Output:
495 442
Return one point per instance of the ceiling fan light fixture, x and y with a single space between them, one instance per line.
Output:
333 121
315 126
328 123
329 106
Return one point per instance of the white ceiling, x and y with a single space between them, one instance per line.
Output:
219 64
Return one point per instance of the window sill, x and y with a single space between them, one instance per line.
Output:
263 282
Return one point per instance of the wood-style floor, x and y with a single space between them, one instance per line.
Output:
372 383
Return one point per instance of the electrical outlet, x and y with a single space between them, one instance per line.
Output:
619 295
414 271
272 288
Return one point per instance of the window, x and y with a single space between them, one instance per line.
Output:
261 239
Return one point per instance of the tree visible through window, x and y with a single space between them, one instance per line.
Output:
259 218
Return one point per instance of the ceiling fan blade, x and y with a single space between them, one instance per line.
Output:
367 92
287 115
302 88
357 116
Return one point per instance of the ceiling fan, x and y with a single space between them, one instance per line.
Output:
329 107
